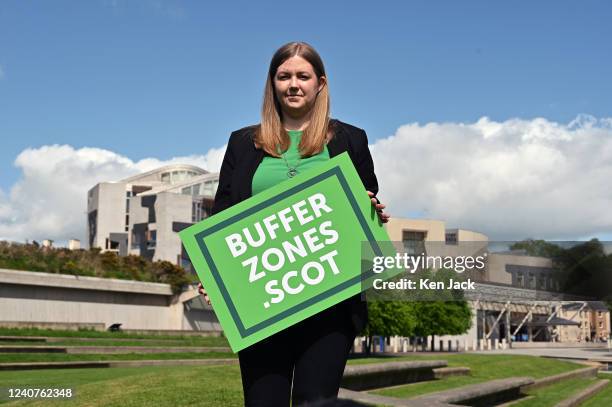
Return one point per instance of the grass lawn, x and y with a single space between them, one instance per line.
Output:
604 397
66 357
204 342
221 385
483 368
553 394
87 334
132 387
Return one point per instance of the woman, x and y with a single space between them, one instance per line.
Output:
296 134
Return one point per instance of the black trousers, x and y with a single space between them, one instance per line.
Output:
311 354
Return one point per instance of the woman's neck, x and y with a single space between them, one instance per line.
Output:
295 123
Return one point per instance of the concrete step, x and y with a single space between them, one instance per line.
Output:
115 363
439 373
32 349
51 339
479 394
444 372
579 373
111 349
34 339
368 399
508 390
573 374
171 332
52 365
376 375
585 394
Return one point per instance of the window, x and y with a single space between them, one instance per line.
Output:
414 242
92 220
127 222
111 244
135 240
197 211
532 281
165 177
151 239
520 280
128 195
186 191
178 176
451 237
196 190
208 188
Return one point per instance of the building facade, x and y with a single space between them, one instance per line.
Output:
517 297
141 215
58 300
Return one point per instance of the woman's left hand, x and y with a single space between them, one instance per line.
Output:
384 217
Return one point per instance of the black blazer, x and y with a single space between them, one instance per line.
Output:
242 159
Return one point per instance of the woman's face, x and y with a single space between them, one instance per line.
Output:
296 86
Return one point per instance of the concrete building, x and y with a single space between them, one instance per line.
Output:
74 244
34 299
593 322
599 321
428 230
141 215
517 297
515 302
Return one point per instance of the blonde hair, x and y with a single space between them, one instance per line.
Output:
270 135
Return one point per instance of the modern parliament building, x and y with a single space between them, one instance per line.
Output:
142 214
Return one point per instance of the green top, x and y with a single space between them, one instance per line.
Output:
273 170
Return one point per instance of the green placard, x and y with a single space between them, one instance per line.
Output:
287 253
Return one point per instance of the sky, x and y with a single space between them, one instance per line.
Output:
492 116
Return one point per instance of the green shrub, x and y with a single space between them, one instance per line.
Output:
32 257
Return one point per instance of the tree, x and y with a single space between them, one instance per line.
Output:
442 318
586 270
539 248
390 318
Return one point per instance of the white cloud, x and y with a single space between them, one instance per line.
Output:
50 199
510 180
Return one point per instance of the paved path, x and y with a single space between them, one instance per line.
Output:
598 354
110 349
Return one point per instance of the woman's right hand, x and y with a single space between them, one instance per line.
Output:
202 291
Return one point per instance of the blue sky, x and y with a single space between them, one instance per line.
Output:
168 78
163 79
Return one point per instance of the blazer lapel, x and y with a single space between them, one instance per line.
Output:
338 144
250 164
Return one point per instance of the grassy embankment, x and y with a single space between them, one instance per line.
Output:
221 385
482 368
